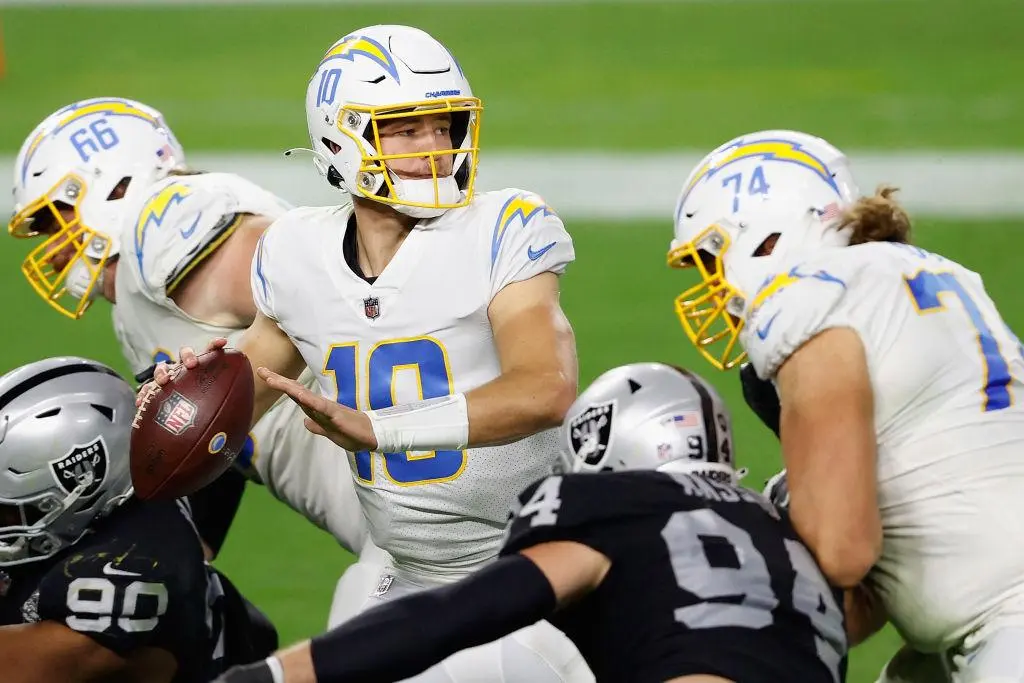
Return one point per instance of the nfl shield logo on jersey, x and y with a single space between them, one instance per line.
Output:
176 414
371 307
590 433
82 465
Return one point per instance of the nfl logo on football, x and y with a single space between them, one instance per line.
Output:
176 414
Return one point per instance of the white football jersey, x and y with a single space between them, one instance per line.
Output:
946 373
184 219
420 331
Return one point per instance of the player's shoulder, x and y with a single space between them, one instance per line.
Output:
501 209
809 293
603 511
305 222
141 541
179 217
576 499
299 231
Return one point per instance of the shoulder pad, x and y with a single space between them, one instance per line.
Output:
289 233
527 237
184 219
795 305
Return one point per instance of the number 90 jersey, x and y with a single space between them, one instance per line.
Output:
705 578
946 373
419 331
136 580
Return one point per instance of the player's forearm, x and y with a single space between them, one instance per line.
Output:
505 596
517 404
49 652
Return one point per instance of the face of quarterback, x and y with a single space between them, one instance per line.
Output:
417 135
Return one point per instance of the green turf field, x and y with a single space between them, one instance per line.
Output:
618 296
941 73
898 74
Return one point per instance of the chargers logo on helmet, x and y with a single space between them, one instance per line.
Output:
770 150
351 46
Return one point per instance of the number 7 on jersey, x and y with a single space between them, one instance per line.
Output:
926 289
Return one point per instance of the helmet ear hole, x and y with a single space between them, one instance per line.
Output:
768 245
120 190
331 145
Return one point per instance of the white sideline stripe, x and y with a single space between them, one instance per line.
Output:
616 186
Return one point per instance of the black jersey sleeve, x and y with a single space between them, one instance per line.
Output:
129 590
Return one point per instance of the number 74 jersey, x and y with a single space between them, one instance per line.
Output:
947 377
419 331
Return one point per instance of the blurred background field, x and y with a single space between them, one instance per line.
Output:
603 93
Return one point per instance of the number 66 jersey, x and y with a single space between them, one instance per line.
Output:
705 578
419 330
946 376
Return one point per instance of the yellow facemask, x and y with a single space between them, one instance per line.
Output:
704 309
69 241
372 164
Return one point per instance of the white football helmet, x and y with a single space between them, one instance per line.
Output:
755 200
381 73
650 416
94 159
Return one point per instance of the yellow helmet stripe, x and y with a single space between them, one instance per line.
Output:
771 150
350 46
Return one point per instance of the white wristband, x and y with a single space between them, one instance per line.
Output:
276 670
432 425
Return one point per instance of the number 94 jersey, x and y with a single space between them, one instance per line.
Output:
136 580
705 578
946 373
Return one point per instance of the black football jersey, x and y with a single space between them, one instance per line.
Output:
705 578
137 579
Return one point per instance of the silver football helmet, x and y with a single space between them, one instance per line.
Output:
650 416
65 425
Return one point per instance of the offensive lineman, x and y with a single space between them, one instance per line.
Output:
103 184
911 435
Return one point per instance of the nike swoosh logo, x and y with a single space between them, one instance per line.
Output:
534 255
765 330
109 570
192 228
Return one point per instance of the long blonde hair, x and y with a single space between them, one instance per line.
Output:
878 218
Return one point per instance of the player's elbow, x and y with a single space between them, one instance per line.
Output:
557 391
845 559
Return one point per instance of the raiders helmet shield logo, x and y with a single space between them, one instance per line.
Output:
371 307
590 433
176 414
82 465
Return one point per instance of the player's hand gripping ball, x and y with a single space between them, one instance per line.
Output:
189 431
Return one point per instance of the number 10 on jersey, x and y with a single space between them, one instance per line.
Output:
386 361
